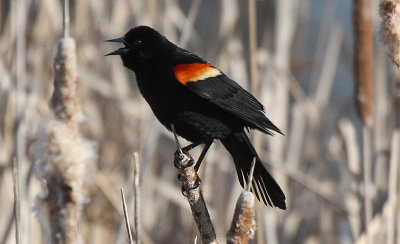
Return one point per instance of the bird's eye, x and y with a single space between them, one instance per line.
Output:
138 42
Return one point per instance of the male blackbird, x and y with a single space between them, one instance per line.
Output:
201 102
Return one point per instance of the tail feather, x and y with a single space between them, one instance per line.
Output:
264 185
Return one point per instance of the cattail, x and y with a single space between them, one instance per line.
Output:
363 61
62 153
390 29
243 223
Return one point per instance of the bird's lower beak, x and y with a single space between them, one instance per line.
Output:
119 51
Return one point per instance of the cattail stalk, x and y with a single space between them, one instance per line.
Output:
363 70
136 194
393 187
62 153
17 203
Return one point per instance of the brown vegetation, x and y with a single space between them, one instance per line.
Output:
301 73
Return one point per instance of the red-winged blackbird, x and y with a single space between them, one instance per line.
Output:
201 102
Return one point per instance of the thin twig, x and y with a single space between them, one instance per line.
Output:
136 193
66 18
17 204
128 226
250 179
178 145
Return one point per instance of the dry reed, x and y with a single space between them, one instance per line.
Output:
364 77
302 56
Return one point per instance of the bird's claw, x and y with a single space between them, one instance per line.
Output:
195 186
182 161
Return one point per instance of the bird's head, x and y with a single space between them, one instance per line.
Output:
142 45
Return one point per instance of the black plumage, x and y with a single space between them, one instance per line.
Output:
201 102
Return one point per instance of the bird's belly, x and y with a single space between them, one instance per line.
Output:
194 119
195 126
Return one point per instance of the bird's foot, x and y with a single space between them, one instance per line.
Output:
196 184
182 160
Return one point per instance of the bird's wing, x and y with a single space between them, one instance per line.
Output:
210 83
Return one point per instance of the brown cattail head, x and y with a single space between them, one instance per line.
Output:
390 29
62 154
243 224
64 101
62 157
363 61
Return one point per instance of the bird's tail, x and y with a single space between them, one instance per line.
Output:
263 184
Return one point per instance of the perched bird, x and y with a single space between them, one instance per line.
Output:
201 102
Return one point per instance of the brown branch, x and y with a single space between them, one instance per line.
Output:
185 165
196 200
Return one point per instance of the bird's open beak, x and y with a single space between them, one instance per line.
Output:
120 51
118 40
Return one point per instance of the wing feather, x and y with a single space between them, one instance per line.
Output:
230 96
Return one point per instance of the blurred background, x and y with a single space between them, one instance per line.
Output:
301 70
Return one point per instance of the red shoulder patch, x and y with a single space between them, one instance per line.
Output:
185 73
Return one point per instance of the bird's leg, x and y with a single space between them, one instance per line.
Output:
191 146
185 150
196 167
199 160
182 162
201 157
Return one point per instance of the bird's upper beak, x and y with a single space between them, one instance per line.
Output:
120 51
